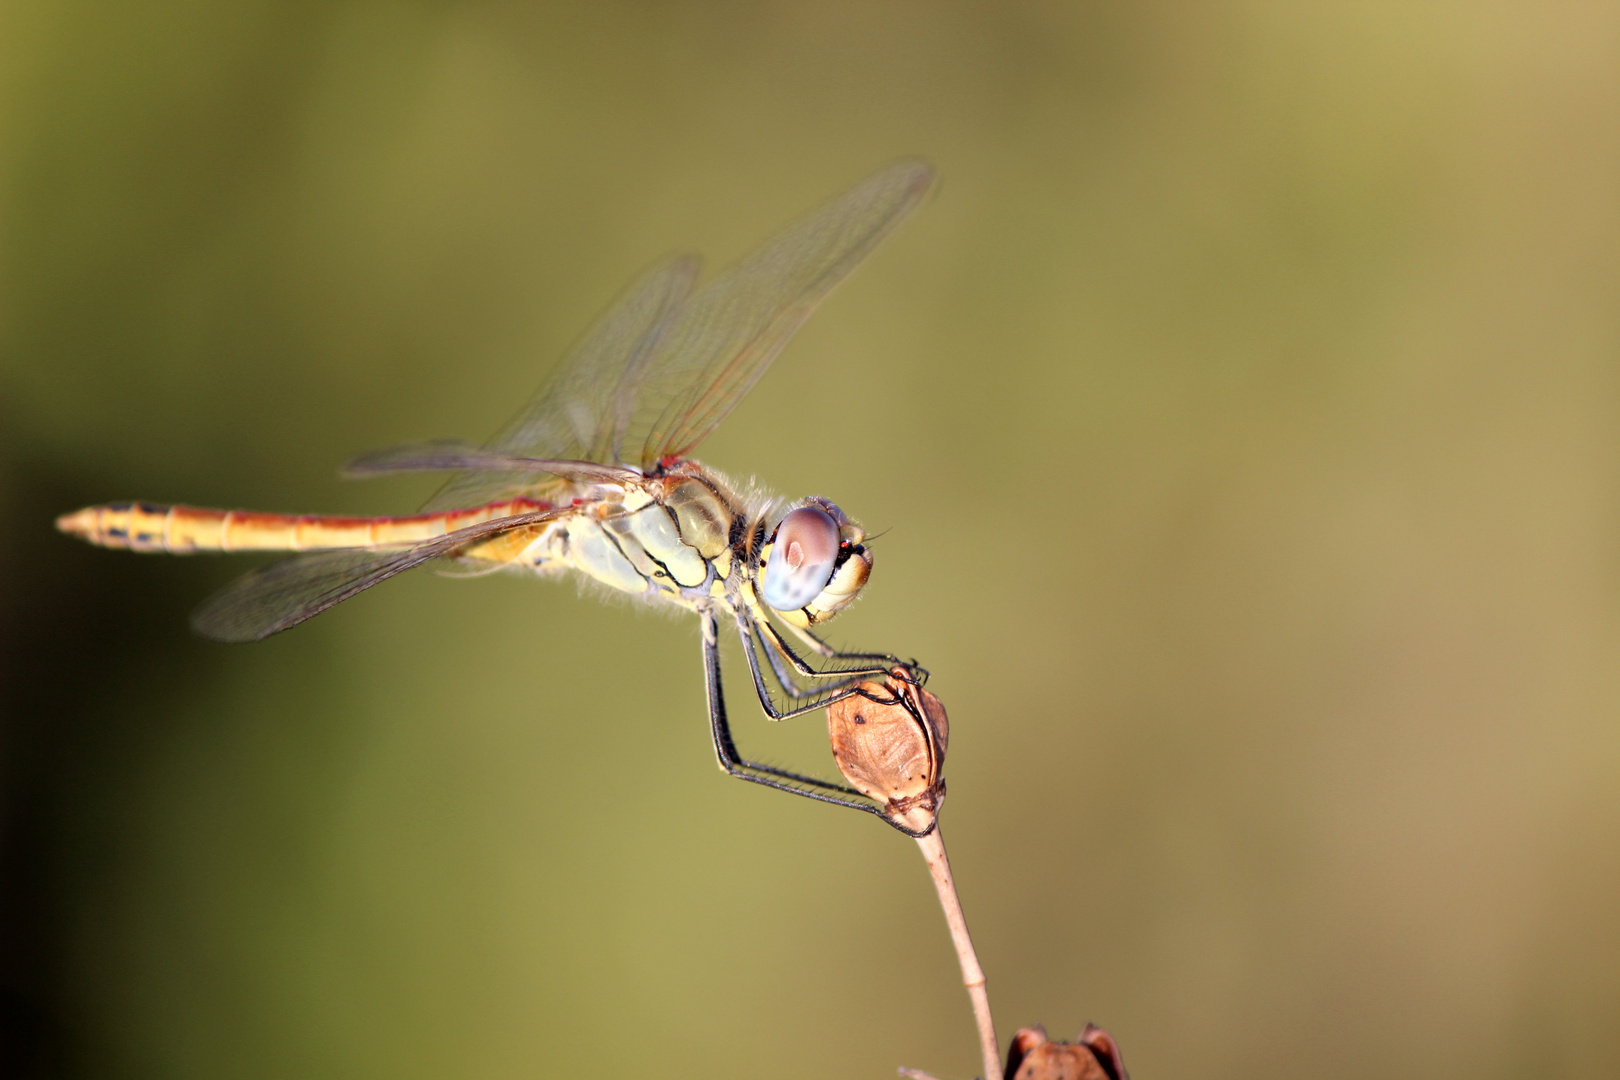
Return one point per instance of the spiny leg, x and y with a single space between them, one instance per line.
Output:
725 749
853 663
914 670
827 652
785 677
808 699
752 627
850 664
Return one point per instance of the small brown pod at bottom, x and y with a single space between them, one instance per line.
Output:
888 739
1094 1056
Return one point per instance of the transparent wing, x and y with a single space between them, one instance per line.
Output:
580 411
664 366
725 337
285 593
447 454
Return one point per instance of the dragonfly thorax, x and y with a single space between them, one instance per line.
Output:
664 537
680 535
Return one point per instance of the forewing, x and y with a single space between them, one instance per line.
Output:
656 373
285 593
581 409
448 455
725 337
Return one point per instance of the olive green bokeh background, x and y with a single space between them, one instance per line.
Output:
1242 411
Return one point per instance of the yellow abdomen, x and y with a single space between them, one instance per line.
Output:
181 530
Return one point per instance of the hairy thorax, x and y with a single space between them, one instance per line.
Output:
668 537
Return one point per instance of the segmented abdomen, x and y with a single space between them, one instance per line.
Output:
180 530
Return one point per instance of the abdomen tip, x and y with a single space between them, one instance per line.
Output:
78 523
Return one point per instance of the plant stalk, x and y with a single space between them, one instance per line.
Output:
933 850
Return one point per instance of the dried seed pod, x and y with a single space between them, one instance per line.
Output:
1095 1056
889 741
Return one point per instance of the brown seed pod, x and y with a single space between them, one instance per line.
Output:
1095 1056
888 739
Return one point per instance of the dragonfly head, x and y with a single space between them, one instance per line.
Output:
814 563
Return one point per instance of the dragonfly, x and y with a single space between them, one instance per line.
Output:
593 477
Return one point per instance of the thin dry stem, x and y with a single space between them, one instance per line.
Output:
933 849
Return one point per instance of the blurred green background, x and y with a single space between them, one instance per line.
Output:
1242 410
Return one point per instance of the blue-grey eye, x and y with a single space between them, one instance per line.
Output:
802 559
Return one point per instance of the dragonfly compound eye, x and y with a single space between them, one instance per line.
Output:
802 559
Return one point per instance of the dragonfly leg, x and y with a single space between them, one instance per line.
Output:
843 664
806 700
787 668
725 749
827 652
785 676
